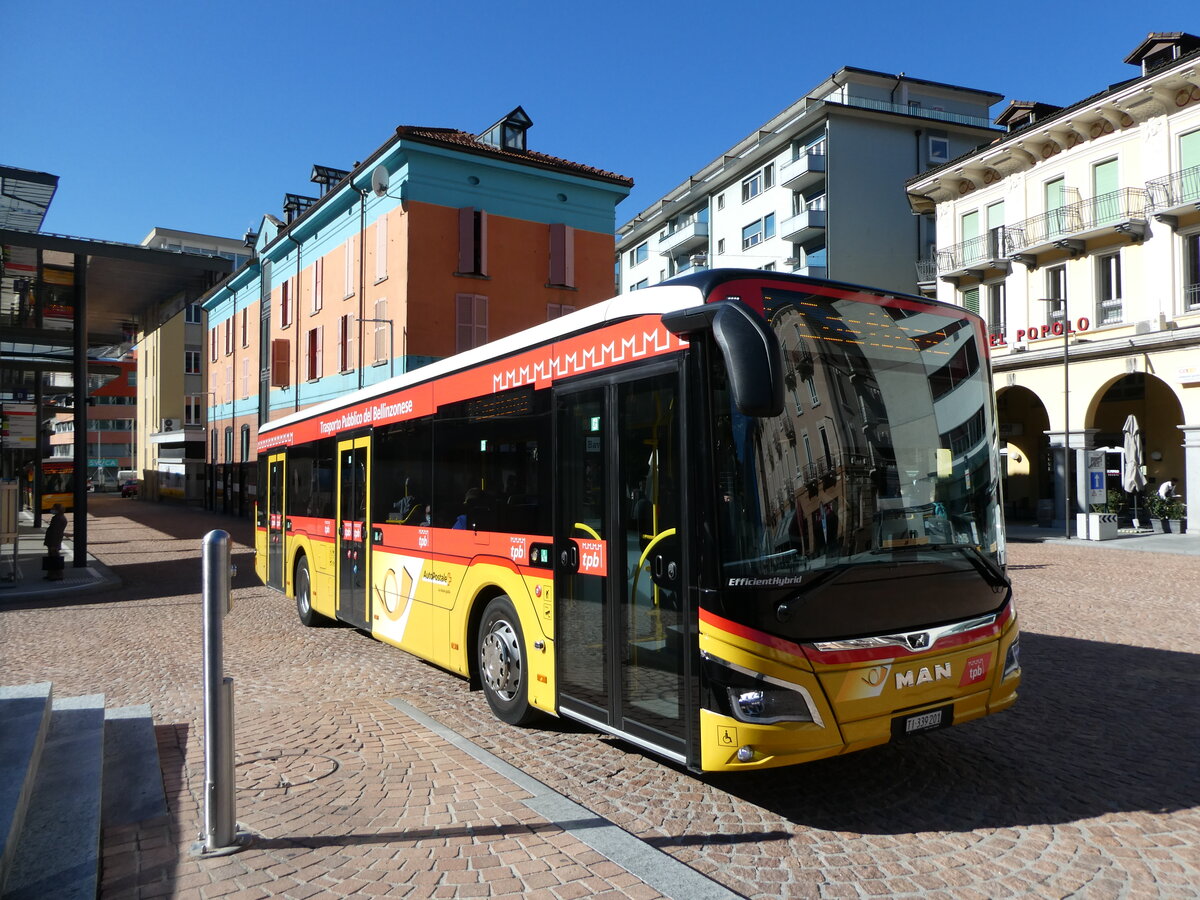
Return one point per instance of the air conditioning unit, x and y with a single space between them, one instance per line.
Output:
169 425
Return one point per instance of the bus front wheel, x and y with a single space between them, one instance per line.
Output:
304 609
502 670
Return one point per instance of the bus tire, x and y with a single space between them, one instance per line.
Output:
502 669
304 608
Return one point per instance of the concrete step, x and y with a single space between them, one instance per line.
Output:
24 720
133 786
58 852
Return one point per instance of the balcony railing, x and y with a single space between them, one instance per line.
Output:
983 252
805 224
1109 210
1191 297
1174 191
927 270
1121 210
805 169
688 234
923 111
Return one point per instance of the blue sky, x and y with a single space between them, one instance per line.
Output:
202 115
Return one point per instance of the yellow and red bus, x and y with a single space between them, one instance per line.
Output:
741 519
58 483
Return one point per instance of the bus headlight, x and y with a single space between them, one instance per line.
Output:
769 704
1012 661
757 699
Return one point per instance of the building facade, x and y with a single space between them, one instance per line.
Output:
1077 236
440 241
171 371
817 190
111 423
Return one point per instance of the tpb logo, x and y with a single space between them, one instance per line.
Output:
592 558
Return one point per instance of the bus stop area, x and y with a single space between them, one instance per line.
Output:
364 772
22 572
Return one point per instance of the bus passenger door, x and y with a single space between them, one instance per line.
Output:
276 521
621 610
353 534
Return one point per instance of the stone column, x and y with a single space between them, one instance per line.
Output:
1191 475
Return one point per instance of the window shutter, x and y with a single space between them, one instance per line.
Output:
280 362
320 350
381 328
562 255
318 275
481 321
381 244
970 299
349 273
464 306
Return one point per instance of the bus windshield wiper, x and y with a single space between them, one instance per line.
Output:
984 564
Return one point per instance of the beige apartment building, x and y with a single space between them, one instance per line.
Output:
171 378
1076 234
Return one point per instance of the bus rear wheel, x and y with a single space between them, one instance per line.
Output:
304 608
502 670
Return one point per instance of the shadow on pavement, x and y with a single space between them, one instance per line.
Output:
1099 728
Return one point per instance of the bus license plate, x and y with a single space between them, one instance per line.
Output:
926 721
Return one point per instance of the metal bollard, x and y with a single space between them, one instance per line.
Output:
220 836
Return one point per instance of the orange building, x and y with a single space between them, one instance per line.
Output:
440 241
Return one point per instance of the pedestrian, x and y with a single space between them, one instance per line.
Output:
53 542
1166 490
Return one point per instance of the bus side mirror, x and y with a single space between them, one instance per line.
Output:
749 347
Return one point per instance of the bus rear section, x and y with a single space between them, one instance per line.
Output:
58 484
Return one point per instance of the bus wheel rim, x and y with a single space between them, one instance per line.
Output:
502 660
302 590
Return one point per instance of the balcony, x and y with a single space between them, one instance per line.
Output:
687 237
1191 298
1174 194
922 111
975 256
805 170
806 224
926 270
1072 225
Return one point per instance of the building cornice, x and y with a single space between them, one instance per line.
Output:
1115 109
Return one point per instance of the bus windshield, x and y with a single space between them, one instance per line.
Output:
883 452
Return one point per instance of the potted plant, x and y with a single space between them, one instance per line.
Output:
1172 516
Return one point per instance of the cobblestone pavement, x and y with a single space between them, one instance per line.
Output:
1089 787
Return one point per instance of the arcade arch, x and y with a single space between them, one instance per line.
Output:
1025 449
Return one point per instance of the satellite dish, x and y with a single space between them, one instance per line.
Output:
379 181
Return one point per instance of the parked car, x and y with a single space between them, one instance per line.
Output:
129 488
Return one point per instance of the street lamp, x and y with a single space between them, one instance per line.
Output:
1066 324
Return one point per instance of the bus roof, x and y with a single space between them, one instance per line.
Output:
678 293
649 301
